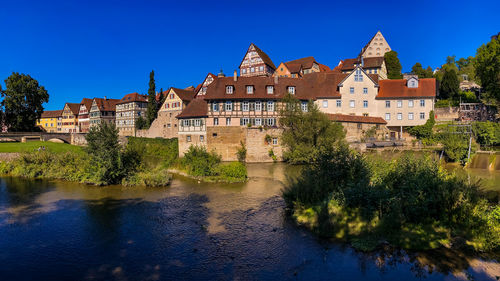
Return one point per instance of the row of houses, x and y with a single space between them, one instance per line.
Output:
225 112
79 117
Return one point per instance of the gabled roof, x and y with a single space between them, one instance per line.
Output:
265 58
368 44
133 97
52 113
306 62
356 119
74 107
87 102
398 89
372 62
293 67
373 77
185 94
196 108
106 104
323 67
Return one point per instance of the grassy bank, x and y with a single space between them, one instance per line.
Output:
408 202
18 147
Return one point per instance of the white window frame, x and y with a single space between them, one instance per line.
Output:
245 121
229 89
365 104
410 115
197 122
387 116
352 103
275 141
339 103
258 121
303 106
422 103
365 91
291 90
351 90
270 106
399 116
422 115
216 121
249 89
215 107
245 106
270 90
228 121
325 103
410 103
228 106
258 106
399 104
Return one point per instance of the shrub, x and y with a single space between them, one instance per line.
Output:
199 162
241 154
234 171
486 133
155 177
424 131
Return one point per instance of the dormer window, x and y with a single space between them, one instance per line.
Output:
229 89
412 83
249 89
291 90
270 90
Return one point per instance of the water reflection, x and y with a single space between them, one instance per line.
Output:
66 231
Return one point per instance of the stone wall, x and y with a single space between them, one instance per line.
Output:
258 147
164 126
355 133
225 141
195 138
446 114
78 139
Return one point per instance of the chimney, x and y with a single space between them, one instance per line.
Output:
276 79
221 74
105 98
362 62
235 76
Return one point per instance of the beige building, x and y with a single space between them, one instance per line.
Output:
128 110
83 115
103 110
70 118
376 47
297 68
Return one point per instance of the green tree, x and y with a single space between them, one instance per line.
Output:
428 72
161 100
105 151
22 103
152 109
450 86
424 131
305 134
141 123
418 70
487 64
393 65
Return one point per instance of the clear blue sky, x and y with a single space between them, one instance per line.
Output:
91 49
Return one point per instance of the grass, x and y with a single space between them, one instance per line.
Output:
10 147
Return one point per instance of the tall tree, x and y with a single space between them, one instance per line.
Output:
161 99
393 65
428 72
152 109
450 86
487 65
22 103
418 70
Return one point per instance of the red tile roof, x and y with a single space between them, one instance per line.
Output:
294 67
398 89
306 62
74 107
187 94
323 67
356 119
265 58
51 113
106 104
374 62
133 97
196 108
87 102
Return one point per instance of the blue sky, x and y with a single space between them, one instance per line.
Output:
92 49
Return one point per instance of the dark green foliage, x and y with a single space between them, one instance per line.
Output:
234 171
393 65
486 133
409 202
152 110
424 131
22 102
141 123
105 152
199 162
455 140
161 100
450 85
241 154
487 64
306 133
421 72
164 151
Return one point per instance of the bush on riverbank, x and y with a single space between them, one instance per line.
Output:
198 162
409 202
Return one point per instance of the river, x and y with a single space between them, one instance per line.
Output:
53 230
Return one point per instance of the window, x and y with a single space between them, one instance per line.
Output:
400 116
400 103
422 115
244 107
339 103
351 90
202 138
252 69
216 121
351 103
422 103
375 71
358 77
197 122
270 121
258 121
410 116
261 68
387 104
291 90
270 106
168 125
360 126
229 106
249 89
365 103
258 106
304 106
243 71
387 116
215 106
365 91
244 121
185 123
275 141
325 103
365 114
188 138
228 121
214 135
270 90
410 103
229 89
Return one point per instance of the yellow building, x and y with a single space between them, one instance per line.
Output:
48 121
70 118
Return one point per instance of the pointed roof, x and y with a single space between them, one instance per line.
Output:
187 94
196 108
371 40
106 104
87 102
133 97
371 62
265 58
74 107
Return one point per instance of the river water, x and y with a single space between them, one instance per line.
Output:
51 230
